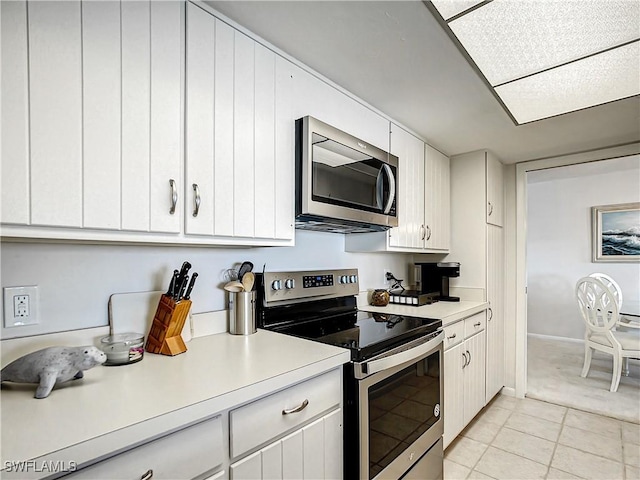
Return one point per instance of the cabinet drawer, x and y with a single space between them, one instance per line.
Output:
264 420
453 334
187 453
475 324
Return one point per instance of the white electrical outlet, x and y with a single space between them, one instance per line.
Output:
385 280
20 306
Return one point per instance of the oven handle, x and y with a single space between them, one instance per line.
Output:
386 361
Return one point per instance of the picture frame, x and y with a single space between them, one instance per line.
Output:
616 232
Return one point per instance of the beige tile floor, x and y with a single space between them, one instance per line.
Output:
525 439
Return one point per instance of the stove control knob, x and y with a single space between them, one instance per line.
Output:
276 285
353 279
289 283
344 279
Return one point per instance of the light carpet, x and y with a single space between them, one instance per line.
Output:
553 375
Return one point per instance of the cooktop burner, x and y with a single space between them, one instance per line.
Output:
321 306
364 333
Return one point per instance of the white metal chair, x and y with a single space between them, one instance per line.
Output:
600 313
623 321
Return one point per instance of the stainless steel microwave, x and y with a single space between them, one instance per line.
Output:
343 184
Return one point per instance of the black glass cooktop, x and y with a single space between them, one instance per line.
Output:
366 334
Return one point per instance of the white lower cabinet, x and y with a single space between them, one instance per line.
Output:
464 373
311 452
187 453
294 433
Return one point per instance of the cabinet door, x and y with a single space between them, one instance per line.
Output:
239 138
199 134
453 412
55 98
166 119
249 468
495 192
474 376
495 319
136 115
333 445
436 198
14 194
410 232
101 114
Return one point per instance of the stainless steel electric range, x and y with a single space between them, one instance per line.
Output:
393 421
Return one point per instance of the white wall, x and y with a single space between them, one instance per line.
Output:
559 202
75 281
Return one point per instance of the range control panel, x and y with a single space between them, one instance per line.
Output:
283 287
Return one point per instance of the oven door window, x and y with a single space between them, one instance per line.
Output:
349 178
401 408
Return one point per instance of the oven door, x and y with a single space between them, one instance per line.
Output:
400 414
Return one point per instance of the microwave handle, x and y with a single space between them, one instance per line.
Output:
392 188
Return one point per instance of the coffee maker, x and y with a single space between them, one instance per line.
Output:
433 279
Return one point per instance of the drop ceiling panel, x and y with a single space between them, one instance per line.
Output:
595 80
510 39
451 8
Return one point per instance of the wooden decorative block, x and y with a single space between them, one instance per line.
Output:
164 336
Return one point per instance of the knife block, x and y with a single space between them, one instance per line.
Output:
164 336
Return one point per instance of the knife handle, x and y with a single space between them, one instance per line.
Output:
182 287
172 284
190 287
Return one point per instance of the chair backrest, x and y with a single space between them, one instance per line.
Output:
611 284
597 305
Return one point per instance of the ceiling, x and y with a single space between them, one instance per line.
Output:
397 57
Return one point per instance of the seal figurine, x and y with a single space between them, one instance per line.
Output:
53 365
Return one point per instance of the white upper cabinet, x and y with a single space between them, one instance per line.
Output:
166 146
101 114
100 105
15 200
411 230
96 96
495 190
315 97
55 113
436 200
423 201
239 135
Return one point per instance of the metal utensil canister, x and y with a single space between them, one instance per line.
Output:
242 313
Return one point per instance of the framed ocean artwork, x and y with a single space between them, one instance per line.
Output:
616 232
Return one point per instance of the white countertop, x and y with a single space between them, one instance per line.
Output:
448 312
217 371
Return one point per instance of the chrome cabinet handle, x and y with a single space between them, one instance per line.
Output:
469 353
466 360
429 230
490 314
297 409
451 337
147 475
424 232
196 196
174 196
490 208
477 324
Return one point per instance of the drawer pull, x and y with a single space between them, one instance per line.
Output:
490 208
297 409
174 196
196 196
147 475
477 324
451 337
490 314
